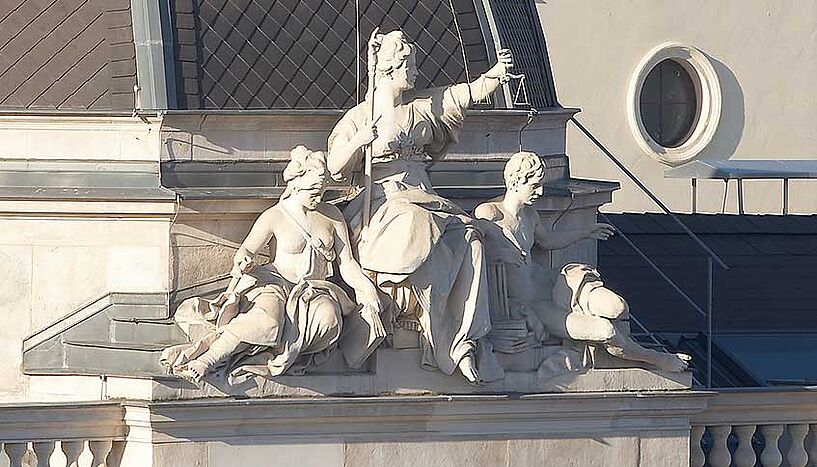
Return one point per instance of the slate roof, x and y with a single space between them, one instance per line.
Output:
770 286
66 54
248 54
244 54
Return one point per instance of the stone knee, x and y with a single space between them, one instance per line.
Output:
324 324
605 303
589 328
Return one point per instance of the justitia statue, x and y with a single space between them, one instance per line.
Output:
282 315
421 248
572 304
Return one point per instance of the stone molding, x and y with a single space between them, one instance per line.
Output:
414 418
89 209
708 90
219 136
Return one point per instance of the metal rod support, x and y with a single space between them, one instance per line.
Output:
649 193
785 196
656 268
740 196
694 196
709 321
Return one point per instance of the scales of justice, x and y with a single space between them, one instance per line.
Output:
396 273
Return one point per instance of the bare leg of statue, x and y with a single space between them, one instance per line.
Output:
605 303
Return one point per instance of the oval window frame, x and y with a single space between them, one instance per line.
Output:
708 93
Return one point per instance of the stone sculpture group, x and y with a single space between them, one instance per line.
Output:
405 256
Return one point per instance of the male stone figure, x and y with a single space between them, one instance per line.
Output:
579 307
281 315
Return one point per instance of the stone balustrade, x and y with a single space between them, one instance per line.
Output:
771 428
62 434
69 453
746 427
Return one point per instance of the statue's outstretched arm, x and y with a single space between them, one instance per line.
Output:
487 83
558 239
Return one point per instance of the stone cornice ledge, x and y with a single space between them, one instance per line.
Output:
759 406
412 418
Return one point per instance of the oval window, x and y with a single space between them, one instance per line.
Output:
674 103
669 104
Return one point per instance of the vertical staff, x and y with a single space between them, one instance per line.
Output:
373 46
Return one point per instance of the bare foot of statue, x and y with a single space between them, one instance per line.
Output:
193 372
468 368
673 362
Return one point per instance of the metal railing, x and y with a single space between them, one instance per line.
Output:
712 257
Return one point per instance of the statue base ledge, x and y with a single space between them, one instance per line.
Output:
393 375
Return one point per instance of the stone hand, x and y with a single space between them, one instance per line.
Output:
503 64
366 135
242 265
601 231
371 314
536 325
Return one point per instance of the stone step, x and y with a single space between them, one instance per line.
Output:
99 357
103 328
146 331
145 311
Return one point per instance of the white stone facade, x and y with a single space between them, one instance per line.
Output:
763 55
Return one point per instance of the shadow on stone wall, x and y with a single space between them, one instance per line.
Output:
733 115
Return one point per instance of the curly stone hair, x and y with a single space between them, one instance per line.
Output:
522 167
394 51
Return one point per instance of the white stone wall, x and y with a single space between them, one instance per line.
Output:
592 450
81 137
54 265
56 255
765 55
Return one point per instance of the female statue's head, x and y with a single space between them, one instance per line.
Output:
523 175
306 176
396 59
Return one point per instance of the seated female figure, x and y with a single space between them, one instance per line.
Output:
279 316
422 248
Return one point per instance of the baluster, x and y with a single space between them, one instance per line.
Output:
771 456
43 450
811 447
99 452
745 455
114 458
719 456
797 456
16 451
72 450
696 453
